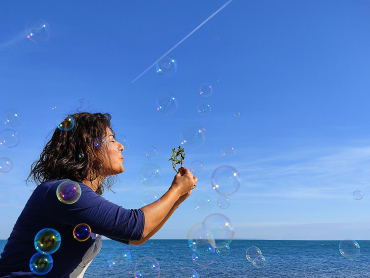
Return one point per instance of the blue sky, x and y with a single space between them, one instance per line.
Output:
297 72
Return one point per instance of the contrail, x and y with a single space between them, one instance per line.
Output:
12 41
200 25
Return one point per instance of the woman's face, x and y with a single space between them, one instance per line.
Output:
114 161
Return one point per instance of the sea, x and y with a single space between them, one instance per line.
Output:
283 258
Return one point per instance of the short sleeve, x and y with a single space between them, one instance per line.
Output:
104 217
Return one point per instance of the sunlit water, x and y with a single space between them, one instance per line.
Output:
283 259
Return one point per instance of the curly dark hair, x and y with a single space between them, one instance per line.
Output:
73 154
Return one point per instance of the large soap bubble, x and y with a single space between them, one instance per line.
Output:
41 264
147 267
119 259
192 136
9 138
68 192
221 229
6 165
349 248
47 241
187 272
225 180
166 103
203 204
11 118
198 233
37 30
166 67
151 175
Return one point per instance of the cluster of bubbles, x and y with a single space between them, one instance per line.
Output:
349 248
210 238
254 255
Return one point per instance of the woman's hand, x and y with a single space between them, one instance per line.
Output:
184 181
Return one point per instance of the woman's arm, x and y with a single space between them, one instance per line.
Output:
175 206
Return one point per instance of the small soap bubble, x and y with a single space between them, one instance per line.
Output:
119 259
11 118
37 30
151 175
252 253
6 165
9 138
166 67
349 248
205 90
166 103
203 204
259 262
67 124
204 108
100 142
223 249
192 136
81 155
151 152
148 197
47 241
68 192
198 234
147 267
187 272
41 264
357 195
197 168
225 180
115 144
206 257
237 115
228 151
82 232
220 227
223 202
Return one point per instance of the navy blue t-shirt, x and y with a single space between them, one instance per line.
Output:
44 210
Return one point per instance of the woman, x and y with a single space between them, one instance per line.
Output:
87 154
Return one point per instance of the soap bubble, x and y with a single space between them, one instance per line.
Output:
204 108
166 67
192 136
47 241
38 30
237 114
151 175
81 155
252 253
206 257
166 103
68 192
349 248
197 168
67 124
357 195
187 272
148 197
228 151
11 118
6 165
223 202
198 233
147 267
100 142
41 263
151 152
220 227
203 204
119 259
9 138
259 262
223 249
225 180
205 90
122 139
82 232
